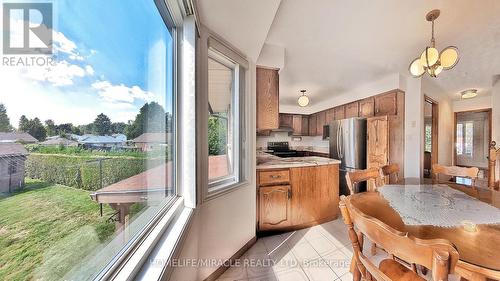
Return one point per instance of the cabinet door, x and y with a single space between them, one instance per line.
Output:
339 112
286 120
305 125
352 110
378 142
297 125
330 115
312 124
320 121
274 207
386 104
267 99
367 107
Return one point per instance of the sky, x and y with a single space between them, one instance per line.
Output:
112 57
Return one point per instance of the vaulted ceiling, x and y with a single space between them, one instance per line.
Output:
332 46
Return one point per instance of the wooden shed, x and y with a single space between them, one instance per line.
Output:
12 158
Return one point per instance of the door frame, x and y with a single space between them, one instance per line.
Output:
490 121
435 129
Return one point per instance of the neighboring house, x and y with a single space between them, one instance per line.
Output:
152 141
57 140
17 137
101 142
12 158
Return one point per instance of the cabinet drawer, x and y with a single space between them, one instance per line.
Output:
274 177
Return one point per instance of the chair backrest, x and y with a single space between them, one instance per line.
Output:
436 254
371 176
391 170
454 171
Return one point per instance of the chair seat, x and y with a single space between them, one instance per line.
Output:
397 271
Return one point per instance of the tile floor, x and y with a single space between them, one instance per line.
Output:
322 252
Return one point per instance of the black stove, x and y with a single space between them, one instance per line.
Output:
281 149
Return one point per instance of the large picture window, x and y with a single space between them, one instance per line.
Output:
93 136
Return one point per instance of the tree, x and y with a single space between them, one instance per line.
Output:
34 127
118 128
24 124
50 127
37 130
4 120
102 125
151 119
217 135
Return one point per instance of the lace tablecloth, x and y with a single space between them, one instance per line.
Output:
437 205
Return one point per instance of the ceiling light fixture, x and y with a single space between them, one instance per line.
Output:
431 61
468 94
303 99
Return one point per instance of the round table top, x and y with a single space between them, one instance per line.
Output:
480 248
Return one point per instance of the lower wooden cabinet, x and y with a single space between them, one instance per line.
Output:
308 197
274 207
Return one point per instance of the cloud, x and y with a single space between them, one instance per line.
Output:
121 93
89 69
62 44
60 74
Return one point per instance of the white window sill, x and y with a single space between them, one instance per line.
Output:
150 261
223 189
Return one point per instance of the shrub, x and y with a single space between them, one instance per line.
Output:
84 171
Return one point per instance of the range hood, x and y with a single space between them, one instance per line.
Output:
283 129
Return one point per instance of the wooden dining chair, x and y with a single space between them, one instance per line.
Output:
438 254
390 170
455 171
371 176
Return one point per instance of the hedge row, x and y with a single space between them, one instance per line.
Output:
84 172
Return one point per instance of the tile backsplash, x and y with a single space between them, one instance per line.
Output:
317 142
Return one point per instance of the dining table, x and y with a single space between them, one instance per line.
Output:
428 209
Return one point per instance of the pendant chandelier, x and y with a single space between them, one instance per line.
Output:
303 100
431 61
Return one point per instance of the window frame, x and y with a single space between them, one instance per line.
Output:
223 53
171 222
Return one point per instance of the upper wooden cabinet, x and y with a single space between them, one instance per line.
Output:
312 124
386 104
339 112
367 107
330 115
267 99
305 125
352 110
320 121
286 120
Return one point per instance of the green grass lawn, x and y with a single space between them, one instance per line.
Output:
47 229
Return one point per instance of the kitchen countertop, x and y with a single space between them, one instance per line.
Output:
268 161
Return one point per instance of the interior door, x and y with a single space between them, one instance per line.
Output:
472 138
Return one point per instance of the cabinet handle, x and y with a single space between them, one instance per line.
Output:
275 176
289 194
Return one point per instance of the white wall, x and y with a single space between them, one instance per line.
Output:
472 104
224 224
414 127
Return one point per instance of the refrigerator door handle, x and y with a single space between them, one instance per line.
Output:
338 141
341 141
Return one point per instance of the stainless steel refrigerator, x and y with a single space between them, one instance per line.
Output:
348 144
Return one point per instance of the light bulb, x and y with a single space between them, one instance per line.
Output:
429 57
449 57
416 68
303 100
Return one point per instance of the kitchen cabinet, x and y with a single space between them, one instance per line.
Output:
312 124
386 104
267 99
305 125
330 115
320 121
367 107
286 120
352 110
297 197
339 113
274 207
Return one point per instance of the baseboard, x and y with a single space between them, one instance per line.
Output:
219 271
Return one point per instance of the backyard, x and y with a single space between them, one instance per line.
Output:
45 229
